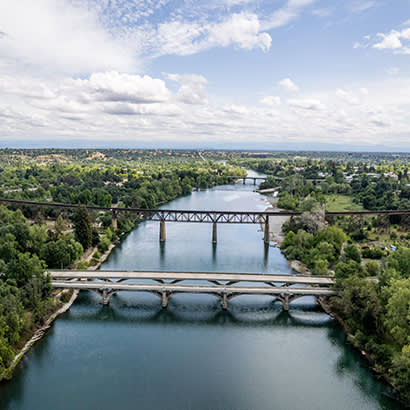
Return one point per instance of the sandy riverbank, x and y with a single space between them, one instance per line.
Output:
276 235
275 222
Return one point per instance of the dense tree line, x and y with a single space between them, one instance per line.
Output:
32 240
374 298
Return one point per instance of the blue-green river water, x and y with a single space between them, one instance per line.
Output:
192 355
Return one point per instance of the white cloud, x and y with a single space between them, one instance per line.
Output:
241 29
397 41
49 36
306 104
347 96
271 100
178 37
113 86
390 41
288 84
83 108
192 90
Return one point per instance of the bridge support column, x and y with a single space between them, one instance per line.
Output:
266 233
254 181
106 297
162 231
224 301
114 220
164 300
244 181
214 233
285 303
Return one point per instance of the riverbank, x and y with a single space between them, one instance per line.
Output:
38 334
277 236
378 370
275 223
41 332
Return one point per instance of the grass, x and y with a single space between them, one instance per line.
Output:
338 202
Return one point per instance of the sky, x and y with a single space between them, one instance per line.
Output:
236 74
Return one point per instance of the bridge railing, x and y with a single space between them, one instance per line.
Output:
224 286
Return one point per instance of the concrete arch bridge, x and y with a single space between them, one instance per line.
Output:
224 286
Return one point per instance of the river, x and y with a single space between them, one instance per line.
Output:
192 355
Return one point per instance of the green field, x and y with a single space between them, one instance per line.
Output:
337 202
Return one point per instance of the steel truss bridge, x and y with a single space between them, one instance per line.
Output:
224 286
197 216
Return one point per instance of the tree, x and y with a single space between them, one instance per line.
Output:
352 253
83 227
398 310
400 372
60 226
24 267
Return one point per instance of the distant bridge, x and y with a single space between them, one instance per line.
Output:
225 286
244 179
196 216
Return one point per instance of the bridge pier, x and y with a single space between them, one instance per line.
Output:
244 181
224 301
254 181
266 233
285 303
162 231
214 233
164 298
114 220
106 297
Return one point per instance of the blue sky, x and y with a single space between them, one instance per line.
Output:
225 74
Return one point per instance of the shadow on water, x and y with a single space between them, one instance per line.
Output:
203 313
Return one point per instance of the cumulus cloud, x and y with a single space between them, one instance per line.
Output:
242 29
114 86
58 36
288 85
390 41
99 108
397 41
192 90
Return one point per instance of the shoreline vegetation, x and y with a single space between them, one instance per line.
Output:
369 256
42 330
30 242
277 235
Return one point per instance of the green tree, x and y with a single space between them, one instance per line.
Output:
83 227
352 253
397 319
400 371
24 267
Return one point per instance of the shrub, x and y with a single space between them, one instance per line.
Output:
372 268
97 255
82 265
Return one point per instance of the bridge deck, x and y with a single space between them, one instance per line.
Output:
181 276
173 288
189 215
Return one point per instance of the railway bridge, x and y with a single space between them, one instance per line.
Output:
224 286
195 216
